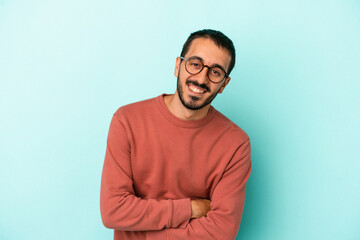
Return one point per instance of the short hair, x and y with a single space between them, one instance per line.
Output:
219 39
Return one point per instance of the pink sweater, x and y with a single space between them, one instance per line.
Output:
155 163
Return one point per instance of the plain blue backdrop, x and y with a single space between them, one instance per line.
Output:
66 66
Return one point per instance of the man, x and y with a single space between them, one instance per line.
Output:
176 168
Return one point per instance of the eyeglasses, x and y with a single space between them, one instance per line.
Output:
194 65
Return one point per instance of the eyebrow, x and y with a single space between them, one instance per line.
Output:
214 65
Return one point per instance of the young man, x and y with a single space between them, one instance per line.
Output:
175 167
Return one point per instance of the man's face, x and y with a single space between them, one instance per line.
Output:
197 91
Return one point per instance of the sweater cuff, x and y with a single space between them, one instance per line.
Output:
179 213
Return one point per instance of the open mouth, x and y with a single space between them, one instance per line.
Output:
196 90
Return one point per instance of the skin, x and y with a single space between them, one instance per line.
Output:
199 208
211 55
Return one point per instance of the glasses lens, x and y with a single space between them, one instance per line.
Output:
194 65
216 74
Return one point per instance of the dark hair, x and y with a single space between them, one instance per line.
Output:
219 39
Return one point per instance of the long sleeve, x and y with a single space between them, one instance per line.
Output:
120 208
227 201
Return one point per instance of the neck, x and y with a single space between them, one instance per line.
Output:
176 107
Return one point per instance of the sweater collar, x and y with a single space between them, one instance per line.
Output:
180 122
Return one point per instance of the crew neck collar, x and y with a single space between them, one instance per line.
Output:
180 122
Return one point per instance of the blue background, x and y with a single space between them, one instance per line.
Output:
66 66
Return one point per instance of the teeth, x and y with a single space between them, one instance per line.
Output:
195 89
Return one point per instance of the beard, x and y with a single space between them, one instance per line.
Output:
194 103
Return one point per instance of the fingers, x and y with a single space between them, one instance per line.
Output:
199 208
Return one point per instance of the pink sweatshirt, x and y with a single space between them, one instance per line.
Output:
155 163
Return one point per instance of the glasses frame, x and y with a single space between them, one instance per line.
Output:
203 66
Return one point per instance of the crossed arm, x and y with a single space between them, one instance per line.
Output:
199 208
121 209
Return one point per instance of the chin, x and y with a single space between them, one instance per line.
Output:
193 103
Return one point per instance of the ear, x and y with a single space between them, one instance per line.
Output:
177 66
227 80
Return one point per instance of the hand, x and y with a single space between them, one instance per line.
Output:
199 208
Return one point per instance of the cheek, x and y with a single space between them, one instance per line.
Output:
183 76
218 89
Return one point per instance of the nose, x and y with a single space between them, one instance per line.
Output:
202 76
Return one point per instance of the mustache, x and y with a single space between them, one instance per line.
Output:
198 85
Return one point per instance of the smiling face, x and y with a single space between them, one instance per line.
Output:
197 91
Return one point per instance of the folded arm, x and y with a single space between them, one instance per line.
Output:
120 208
227 202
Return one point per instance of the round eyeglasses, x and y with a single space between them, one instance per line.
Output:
194 65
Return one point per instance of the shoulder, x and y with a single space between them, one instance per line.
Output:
233 131
136 109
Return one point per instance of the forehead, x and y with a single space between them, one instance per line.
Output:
209 52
